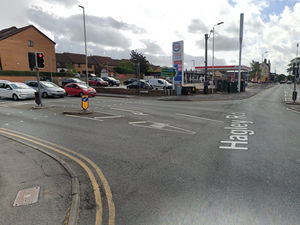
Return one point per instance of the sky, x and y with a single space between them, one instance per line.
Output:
115 27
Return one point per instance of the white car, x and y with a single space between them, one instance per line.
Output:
159 83
15 90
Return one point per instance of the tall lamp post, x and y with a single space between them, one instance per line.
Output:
86 60
213 52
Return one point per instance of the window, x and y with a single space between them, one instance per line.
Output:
30 43
79 65
89 65
160 82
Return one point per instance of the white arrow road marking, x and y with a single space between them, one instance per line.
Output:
160 126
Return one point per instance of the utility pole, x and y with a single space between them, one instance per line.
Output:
205 70
296 72
86 59
240 54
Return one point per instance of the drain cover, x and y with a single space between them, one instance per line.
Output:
27 196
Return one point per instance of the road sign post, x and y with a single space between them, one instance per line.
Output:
85 102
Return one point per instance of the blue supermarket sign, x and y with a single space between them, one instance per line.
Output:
176 47
178 78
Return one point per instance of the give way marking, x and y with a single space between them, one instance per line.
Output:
161 126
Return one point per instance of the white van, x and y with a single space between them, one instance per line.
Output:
15 90
159 84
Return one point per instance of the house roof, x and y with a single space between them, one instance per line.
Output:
62 60
5 33
103 60
75 58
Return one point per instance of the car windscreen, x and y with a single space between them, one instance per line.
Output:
49 85
19 86
83 86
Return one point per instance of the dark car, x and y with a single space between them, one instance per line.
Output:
129 81
71 80
139 84
111 81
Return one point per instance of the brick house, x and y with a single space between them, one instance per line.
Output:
16 43
265 71
76 61
105 63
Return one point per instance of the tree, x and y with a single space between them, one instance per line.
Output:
71 68
255 70
136 58
125 67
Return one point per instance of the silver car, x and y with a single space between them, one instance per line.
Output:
47 89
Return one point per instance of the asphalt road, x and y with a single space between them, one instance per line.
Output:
174 162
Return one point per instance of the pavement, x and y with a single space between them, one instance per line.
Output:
38 177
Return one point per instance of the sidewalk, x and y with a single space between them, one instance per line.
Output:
22 167
214 97
288 92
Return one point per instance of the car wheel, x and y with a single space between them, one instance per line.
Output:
44 95
98 84
118 85
61 96
15 97
81 94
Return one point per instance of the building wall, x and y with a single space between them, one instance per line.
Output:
265 72
14 51
82 68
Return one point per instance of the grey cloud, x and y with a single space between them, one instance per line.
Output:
197 26
63 2
152 47
102 31
222 43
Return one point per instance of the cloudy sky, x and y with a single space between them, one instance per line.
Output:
115 27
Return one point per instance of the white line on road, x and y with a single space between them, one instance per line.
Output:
202 118
292 110
132 111
87 118
161 126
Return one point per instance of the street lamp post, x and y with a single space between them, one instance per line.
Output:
86 60
213 52
295 74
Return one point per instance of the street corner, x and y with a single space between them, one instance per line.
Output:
36 183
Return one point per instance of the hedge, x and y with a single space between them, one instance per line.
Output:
30 74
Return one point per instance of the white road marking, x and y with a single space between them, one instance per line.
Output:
161 126
132 111
202 118
87 118
292 110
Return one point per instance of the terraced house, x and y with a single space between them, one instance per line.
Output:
16 43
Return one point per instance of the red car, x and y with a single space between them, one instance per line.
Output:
97 81
79 89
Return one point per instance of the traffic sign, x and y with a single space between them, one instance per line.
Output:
168 72
85 102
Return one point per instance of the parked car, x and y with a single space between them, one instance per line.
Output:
79 89
71 80
289 82
47 88
15 90
282 82
111 81
139 84
129 81
97 81
159 84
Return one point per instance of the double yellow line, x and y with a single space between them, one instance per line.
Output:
76 157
